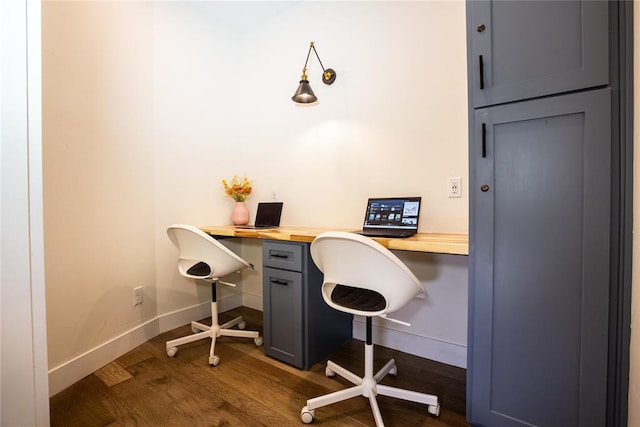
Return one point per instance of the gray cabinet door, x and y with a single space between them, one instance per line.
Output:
282 315
527 49
539 262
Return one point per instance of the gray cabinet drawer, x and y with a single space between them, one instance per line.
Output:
285 256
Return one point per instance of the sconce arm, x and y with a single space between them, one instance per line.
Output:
328 75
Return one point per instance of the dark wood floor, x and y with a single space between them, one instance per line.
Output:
146 388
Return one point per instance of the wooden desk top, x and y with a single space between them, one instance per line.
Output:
443 243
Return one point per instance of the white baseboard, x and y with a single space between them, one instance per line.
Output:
72 371
429 348
252 301
68 373
184 316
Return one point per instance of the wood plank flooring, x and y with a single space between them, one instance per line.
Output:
146 388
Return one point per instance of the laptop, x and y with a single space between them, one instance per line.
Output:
391 217
267 216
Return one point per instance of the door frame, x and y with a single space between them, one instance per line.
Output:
621 213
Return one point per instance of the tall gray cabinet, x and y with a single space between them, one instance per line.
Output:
540 158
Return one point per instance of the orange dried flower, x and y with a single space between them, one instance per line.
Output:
238 189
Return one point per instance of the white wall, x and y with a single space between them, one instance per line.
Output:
148 105
98 173
394 122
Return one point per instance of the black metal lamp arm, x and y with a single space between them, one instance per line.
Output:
328 75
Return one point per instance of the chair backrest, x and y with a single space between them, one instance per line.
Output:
356 261
196 246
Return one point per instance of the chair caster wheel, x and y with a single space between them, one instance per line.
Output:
242 324
195 330
329 373
214 360
434 410
306 415
394 371
171 351
258 341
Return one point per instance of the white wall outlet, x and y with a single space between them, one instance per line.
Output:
274 195
454 187
137 295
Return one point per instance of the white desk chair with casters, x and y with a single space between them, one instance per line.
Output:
364 278
203 257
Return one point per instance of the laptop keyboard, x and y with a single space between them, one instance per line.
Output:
387 233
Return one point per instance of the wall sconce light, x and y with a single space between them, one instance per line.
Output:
304 94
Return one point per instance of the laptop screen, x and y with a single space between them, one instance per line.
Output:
399 213
268 214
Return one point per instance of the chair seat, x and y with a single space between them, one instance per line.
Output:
200 269
358 298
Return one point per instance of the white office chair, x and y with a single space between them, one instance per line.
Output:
203 257
364 278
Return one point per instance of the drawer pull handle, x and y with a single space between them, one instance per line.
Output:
281 256
484 140
481 67
279 282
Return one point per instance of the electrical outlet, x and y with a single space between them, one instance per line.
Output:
137 295
274 195
453 188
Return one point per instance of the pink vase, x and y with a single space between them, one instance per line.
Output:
240 214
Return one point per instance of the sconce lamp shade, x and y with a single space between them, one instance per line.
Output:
304 94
